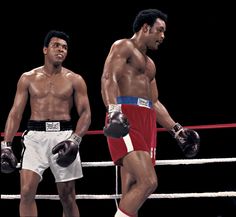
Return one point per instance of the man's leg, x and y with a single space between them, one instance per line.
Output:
139 180
29 181
66 191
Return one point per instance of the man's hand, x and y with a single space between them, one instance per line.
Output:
67 150
118 125
8 159
188 140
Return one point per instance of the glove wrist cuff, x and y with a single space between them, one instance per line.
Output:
175 130
114 108
5 144
75 138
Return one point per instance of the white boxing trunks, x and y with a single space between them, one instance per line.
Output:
38 142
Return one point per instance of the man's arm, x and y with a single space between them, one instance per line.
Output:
117 124
66 151
113 68
16 112
82 105
8 159
188 140
163 116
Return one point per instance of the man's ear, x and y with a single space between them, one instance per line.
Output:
146 27
45 50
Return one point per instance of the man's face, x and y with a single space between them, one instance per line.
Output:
57 50
156 34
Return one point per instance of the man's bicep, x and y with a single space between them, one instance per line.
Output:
21 96
81 96
115 63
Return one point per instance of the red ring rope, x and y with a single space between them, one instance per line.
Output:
160 129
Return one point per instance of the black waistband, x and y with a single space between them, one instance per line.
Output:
49 126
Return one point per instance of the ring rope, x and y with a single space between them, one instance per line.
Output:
117 196
160 129
167 162
158 162
152 196
163 162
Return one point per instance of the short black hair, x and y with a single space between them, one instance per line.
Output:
148 16
55 33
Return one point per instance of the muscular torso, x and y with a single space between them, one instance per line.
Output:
136 75
133 71
51 97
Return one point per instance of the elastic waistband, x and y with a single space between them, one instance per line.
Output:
49 126
134 100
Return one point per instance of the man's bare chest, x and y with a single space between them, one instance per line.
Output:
51 86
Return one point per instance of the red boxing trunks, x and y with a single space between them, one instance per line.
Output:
142 133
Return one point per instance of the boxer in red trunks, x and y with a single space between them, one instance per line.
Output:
130 94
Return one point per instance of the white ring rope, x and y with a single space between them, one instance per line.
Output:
117 196
163 162
167 162
152 196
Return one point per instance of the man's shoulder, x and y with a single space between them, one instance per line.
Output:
68 72
28 76
33 71
124 45
71 74
123 42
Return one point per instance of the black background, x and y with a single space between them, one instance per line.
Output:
195 67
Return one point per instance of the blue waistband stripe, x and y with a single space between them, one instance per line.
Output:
134 100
